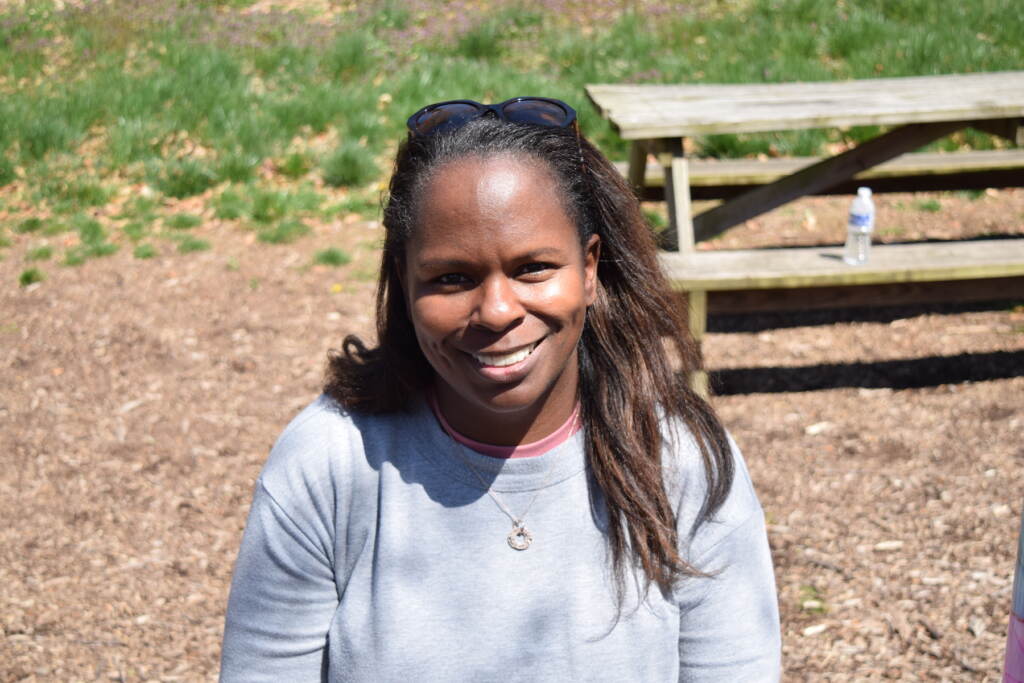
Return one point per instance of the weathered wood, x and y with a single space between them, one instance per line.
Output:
660 111
697 312
819 176
677 186
637 172
736 301
823 266
752 172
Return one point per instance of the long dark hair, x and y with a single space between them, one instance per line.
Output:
634 351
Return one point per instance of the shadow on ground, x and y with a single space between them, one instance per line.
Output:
894 374
910 373
757 322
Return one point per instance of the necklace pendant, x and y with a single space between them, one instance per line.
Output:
519 538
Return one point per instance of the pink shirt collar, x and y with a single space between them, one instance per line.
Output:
523 450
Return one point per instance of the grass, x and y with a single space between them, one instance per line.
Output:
44 253
182 221
201 99
929 205
285 232
349 164
332 257
30 276
192 244
29 225
182 178
144 251
364 204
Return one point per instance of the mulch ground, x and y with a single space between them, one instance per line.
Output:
139 399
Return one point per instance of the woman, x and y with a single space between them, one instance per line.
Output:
514 484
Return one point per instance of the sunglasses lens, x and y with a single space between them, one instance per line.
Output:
445 116
536 112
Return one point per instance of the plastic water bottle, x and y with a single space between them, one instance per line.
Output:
859 227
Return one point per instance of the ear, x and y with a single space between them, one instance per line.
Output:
591 257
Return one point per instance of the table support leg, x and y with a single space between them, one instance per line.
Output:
697 306
637 166
820 176
677 193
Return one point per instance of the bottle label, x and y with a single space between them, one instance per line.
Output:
860 220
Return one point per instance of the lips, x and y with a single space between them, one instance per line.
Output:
502 360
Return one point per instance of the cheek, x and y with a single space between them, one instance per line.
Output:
432 325
565 299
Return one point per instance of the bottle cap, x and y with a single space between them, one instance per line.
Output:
864 192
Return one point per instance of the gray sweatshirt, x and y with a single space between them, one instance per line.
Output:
373 553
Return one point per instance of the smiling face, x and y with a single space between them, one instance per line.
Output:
498 286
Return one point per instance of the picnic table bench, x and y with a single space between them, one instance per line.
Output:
916 112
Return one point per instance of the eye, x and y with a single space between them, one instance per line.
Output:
536 269
452 280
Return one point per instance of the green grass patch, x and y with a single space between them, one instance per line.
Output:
139 207
285 232
93 241
191 244
237 167
268 206
183 178
295 165
136 230
929 205
43 253
55 227
349 164
147 96
144 251
655 219
332 257
7 173
182 221
230 205
32 224
30 276
973 195
367 206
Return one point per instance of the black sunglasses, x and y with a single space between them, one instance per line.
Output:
536 111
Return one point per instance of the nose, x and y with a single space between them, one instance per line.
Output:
499 306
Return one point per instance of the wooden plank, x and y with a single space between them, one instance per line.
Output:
657 111
697 311
823 266
819 176
679 219
712 172
735 301
636 170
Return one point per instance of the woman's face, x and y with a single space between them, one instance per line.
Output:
498 286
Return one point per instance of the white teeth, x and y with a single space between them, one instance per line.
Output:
501 360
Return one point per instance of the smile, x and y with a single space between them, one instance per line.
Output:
501 360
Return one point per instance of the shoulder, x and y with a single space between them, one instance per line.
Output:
686 478
319 453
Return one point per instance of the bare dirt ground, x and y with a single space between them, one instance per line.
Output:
138 400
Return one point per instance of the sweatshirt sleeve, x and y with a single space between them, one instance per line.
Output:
729 622
282 600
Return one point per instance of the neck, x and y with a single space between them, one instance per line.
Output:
506 427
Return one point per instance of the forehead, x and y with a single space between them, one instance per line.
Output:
491 196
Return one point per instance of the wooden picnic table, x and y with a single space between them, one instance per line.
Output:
918 110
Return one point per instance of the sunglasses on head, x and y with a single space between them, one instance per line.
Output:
535 111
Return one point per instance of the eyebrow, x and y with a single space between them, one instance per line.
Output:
461 264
